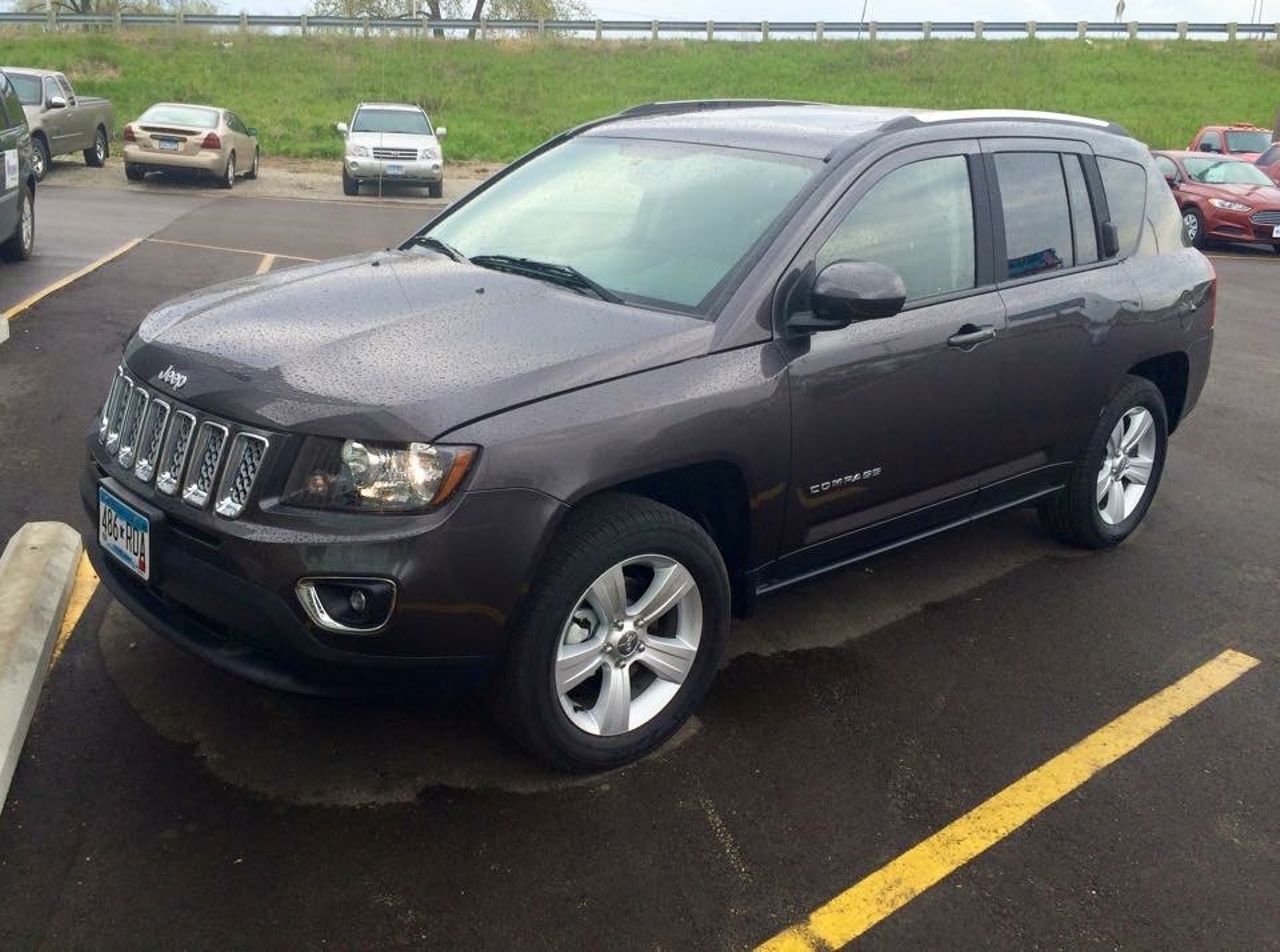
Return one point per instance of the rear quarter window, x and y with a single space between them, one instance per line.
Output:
1125 184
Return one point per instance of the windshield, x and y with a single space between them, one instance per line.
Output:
409 121
27 88
1220 172
181 116
663 222
1248 141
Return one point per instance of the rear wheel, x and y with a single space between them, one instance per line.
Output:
349 185
19 245
1114 480
229 173
40 157
97 155
620 638
1193 223
134 172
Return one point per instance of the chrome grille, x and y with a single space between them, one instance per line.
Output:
149 439
134 411
1266 218
243 464
395 154
187 453
173 456
204 464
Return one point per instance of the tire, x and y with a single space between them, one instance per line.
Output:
253 169
19 245
1193 222
633 539
134 172
97 155
1076 514
435 189
228 180
349 185
40 157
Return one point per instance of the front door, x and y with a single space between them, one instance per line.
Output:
893 420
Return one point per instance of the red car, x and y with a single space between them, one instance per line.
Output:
1222 197
1269 162
1242 139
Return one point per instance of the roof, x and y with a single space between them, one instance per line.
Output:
408 106
1181 154
799 128
42 73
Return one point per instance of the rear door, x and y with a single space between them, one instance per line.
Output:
12 124
893 419
1063 302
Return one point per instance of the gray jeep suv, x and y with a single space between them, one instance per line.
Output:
667 362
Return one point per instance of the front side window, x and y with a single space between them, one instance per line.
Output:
1037 217
917 220
666 223
1249 140
406 121
28 88
51 90
67 92
1213 140
1226 172
1166 165
1126 186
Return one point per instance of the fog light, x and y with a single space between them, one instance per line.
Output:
358 606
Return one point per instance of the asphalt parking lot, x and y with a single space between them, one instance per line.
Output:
162 804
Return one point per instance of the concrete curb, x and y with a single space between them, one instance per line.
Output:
37 570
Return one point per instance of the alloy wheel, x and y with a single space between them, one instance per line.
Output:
628 645
1191 222
28 225
1127 463
100 147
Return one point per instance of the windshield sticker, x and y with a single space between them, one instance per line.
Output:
10 169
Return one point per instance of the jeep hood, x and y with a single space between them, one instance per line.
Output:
395 345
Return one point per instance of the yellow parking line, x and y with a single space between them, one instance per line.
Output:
236 251
63 282
891 887
82 590
265 264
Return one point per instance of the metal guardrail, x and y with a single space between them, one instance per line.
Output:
656 29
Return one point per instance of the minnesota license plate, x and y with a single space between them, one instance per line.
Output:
167 145
124 534
395 170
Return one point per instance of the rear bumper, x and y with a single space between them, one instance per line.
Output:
204 161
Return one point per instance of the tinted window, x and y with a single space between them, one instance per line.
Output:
1037 219
67 91
51 89
409 121
1082 218
1166 165
28 88
1271 155
917 220
1212 138
6 102
178 115
1126 186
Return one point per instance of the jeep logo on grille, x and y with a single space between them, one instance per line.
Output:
172 377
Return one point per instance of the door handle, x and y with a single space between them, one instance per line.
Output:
971 335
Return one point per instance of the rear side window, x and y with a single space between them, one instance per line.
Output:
917 220
7 100
1037 216
1083 231
1126 186
1166 165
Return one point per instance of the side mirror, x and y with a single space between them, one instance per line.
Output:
848 291
1208 147
57 102
1172 180
441 132
341 127
252 131
1110 240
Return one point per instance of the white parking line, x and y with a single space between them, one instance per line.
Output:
237 251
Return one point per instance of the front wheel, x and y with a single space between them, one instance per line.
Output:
97 155
435 189
349 185
1193 224
1114 480
620 638
40 157
21 243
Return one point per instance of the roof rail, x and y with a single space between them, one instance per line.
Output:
676 106
995 115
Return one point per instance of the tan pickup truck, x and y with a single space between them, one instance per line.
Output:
60 121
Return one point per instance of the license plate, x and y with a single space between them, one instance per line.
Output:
1275 231
167 145
124 534
395 170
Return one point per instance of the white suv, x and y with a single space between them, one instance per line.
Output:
391 141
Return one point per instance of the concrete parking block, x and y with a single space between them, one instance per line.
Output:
37 570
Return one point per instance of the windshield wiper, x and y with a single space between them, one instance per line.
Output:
430 241
565 275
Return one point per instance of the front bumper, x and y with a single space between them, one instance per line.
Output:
225 589
420 170
1239 226
214 163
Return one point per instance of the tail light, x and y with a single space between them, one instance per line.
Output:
211 141
128 134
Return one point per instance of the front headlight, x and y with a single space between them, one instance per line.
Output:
376 477
430 152
358 151
1229 206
